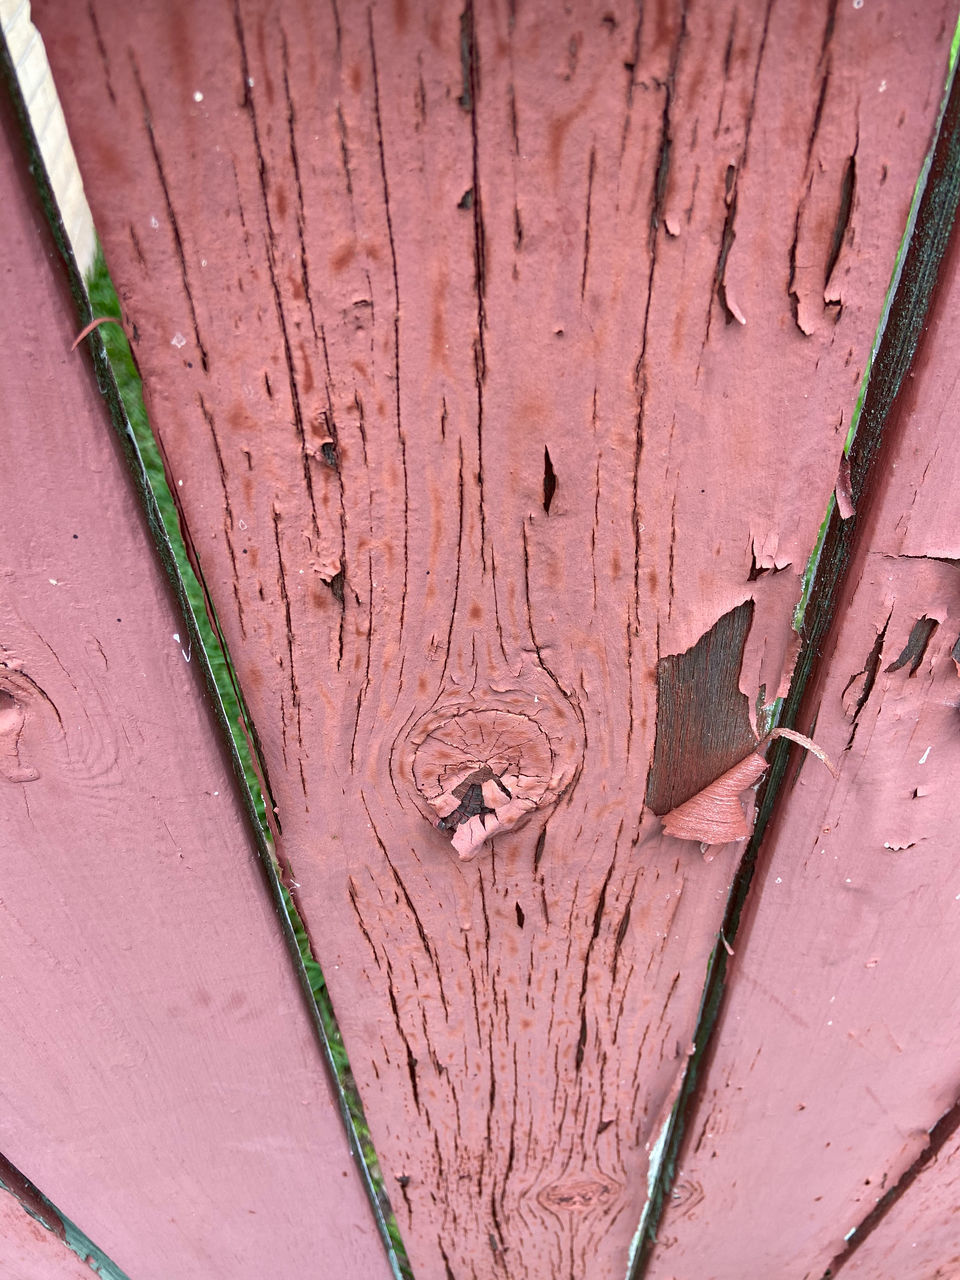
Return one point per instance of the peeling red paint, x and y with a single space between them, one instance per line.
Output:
158 1054
840 1031
453 252
715 815
28 1249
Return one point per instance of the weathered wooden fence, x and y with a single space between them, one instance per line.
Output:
504 361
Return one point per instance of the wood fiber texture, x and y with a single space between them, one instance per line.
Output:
840 1033
161 1079
496 355
693 746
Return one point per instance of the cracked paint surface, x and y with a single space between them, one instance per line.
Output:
839 1034
159 1062
499 330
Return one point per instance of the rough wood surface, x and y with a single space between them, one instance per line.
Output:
837 1049
693 745
161 1080
497 355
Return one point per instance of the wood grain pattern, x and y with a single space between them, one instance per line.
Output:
441 319
839 1034
161 1078
703 719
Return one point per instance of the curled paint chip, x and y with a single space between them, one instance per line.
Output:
89 328
715 815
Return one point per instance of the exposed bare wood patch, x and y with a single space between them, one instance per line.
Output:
703 721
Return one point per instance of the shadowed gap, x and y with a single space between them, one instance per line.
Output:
905 309
120 383
37 1206
248 763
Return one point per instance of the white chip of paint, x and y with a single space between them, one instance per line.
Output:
154 223
178 341
198 96
923 758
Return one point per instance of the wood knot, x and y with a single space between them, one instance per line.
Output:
580 1195
482 766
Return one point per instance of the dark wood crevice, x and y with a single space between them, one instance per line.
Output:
876 430
15 119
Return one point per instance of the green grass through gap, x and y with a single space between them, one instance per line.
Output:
104 302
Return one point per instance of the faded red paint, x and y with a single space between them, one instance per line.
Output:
917 1238
161 1079
838 1048
459 380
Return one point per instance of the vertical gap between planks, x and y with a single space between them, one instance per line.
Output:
939 1136
810 572
120 384
907 300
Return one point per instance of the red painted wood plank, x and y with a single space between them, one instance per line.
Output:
30 1251
918 1238
161 1078
440 322
837 1049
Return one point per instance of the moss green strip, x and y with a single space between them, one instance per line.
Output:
120 384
